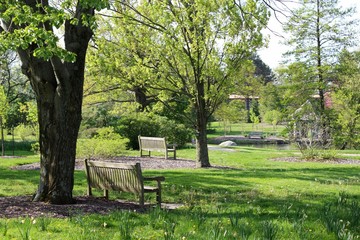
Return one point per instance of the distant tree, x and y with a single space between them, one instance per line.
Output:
271 99
15 84
273 117
16 88
262 70
230 112
3 112
295 87
31 112
318 31
254 118
346 101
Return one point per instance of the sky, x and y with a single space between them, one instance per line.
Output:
273 54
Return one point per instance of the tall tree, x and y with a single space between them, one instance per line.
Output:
346 101
319 29
3 112
262 70
16 87
190 48
56 75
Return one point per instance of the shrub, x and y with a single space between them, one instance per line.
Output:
90 148
174 132
318 154
132 126
35 147
25 132
106 143
88 133
107 133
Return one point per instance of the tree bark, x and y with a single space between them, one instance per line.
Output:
202 154
58 88
2 137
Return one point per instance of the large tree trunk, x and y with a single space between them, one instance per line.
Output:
58 88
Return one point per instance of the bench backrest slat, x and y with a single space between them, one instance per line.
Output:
153 143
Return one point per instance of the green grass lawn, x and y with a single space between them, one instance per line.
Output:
255 197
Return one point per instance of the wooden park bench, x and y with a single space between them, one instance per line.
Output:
255 135
155 144
120 177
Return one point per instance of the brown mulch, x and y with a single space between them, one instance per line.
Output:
22 206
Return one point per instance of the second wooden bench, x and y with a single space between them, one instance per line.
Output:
155 144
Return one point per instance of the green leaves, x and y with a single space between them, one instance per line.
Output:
38 27
176 46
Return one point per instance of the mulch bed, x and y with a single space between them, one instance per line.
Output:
22 206
333 161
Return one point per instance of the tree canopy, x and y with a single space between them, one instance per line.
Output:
186 51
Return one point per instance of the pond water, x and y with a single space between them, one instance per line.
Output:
285 146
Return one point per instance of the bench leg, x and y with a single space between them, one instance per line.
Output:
158 197
89 192
106 194
141 153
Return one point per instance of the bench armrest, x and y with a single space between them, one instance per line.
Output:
157 178
171 146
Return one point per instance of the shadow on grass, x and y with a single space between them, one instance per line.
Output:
231 178
7 174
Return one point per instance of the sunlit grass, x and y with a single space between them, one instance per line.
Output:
254 197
